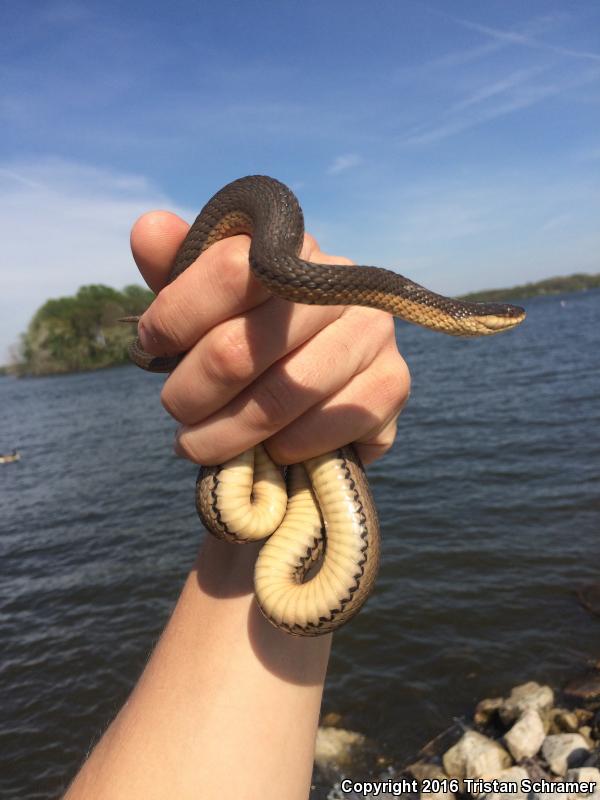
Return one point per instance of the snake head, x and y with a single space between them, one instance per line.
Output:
495 318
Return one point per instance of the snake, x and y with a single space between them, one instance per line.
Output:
322 551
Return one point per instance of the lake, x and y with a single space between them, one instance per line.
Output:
490 512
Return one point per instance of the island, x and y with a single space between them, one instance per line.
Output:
80 333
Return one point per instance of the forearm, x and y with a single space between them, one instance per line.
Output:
227 705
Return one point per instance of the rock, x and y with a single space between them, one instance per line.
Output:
586 688
422 770
593 760
563 751
584 715
588 775
527 695
425 769
550 795
441 795
586 732
337 747
432 751
475 756
595 724
437 795
516 774
486 709
563 721
525 737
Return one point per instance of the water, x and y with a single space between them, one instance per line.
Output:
490 520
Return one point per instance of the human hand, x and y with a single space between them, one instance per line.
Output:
302 379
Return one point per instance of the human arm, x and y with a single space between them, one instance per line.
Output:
227 705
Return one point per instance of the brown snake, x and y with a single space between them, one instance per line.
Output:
326 514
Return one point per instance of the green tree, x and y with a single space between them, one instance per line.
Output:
80 333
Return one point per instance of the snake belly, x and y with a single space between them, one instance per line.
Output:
319 563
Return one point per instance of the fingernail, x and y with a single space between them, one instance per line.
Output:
177 448
178 451
146 339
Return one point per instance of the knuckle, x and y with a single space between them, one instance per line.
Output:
326 258
185 447
389 384
388 436
378 442
237 256
379 324
272 404
170 401
385 324
198 448
232 265
286 447
394 385
159 322
310 246
228 359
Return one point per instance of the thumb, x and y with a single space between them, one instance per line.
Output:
155 239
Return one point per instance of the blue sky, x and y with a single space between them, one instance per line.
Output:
457 142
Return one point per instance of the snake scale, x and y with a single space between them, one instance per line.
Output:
319 564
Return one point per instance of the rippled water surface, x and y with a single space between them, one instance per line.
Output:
490 519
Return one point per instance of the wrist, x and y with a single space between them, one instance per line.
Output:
224 569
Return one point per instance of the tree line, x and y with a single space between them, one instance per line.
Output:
578 282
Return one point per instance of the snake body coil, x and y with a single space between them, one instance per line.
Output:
325 520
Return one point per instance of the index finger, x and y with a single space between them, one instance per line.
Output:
218 286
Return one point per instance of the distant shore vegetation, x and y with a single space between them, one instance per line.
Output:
75 334
80 333
579 282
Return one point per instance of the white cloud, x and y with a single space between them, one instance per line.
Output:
525 40
495 88
344 162
63 225
514 93
478 52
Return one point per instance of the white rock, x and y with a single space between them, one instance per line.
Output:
475 756
563 721
549 795
437 796
525 737
336 746
586 732
515 775
526 696
589 775
422 770
564 750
